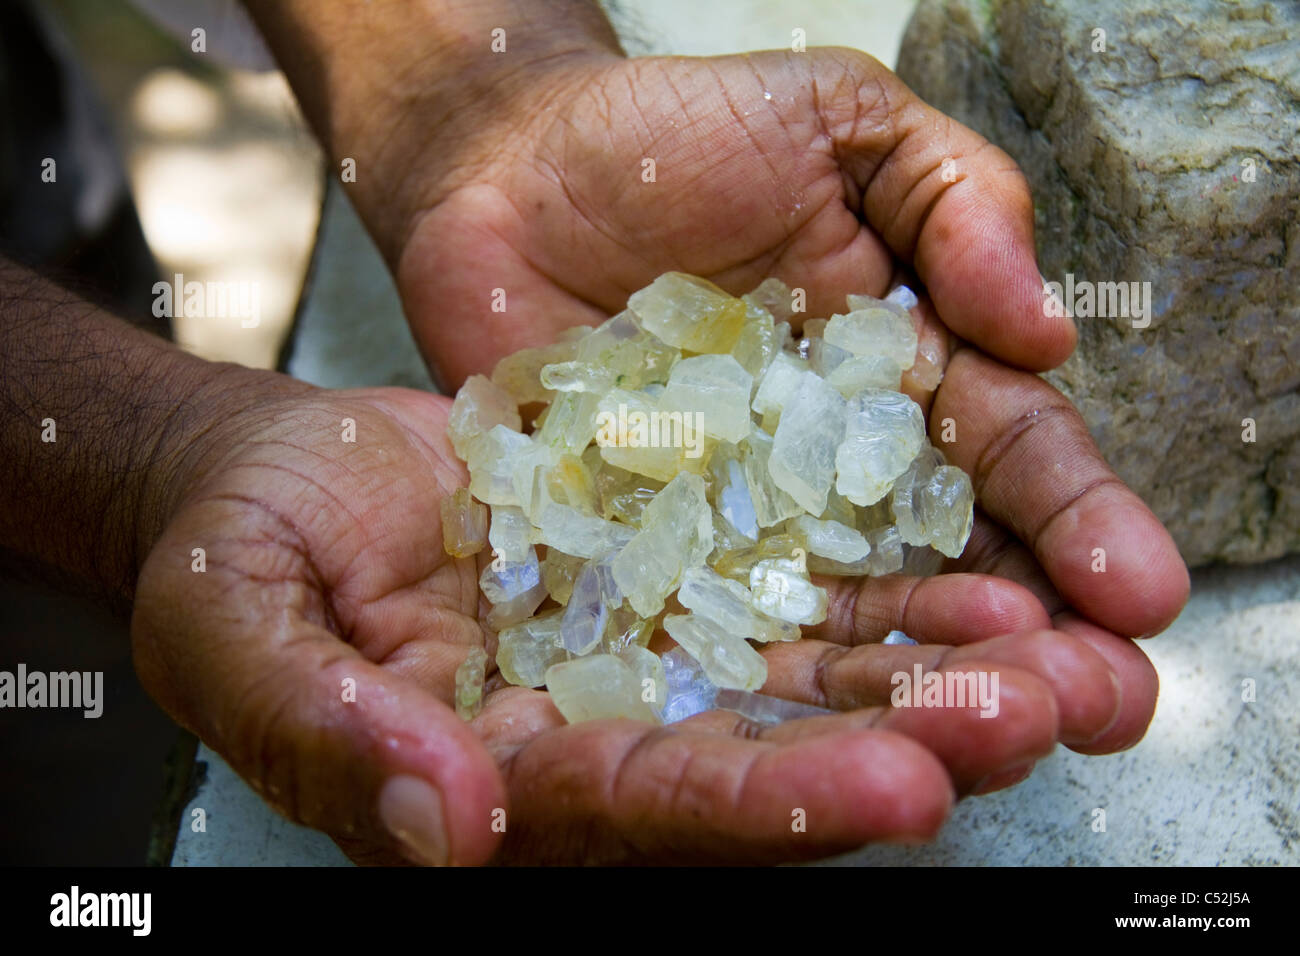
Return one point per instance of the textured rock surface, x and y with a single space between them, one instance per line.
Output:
1138 159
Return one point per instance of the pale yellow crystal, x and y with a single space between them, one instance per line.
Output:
689 313
599 687
464 524
469 684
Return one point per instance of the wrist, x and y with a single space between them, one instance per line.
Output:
422 96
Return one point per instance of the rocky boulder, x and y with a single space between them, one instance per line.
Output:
1162 142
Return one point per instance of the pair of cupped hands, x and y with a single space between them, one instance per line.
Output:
317 651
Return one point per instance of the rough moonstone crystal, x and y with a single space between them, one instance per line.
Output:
934 503
883 432
520 373
599 687
513 588
469 684
490 465
727 659
772 504
714 387
691 455
479 406
676 534
525 650
464 524
897 637
649 672
875 327
559 570
767 710
831 539
690 691
781 589
729 604
778 384
689 313
509 534
585 617
803 449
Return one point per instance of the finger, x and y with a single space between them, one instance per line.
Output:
242 655
1016 720
621 791
1036 470
993 551
1138 680
944 609
948 202
1086 691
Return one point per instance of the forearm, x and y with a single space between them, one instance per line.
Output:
97 420
396 85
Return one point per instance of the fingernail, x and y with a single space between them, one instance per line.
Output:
411 811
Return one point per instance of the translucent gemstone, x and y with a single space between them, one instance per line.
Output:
577 376
883 432
525 650
715 389
624 494
525 466
727 660
491 478
803 450
731 494
519 374
676 534
759 341
831 539
875 327
778 384
772 505
690 692
623 628
726 539
479 406
558 573
510 534
775 296
728 604
886 551
513 588
901 296
764 709
824 358
897 637
464 524
588 609
650 677
934 505
599 687
689 313
781 589
469 684
865 371
736 565
632 356
570 422
568 482
839 508
634 433
579 534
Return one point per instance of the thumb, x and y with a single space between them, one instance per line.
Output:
242 655
950 204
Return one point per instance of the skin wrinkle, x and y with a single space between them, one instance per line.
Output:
996 450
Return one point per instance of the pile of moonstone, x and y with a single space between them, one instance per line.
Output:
692 465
